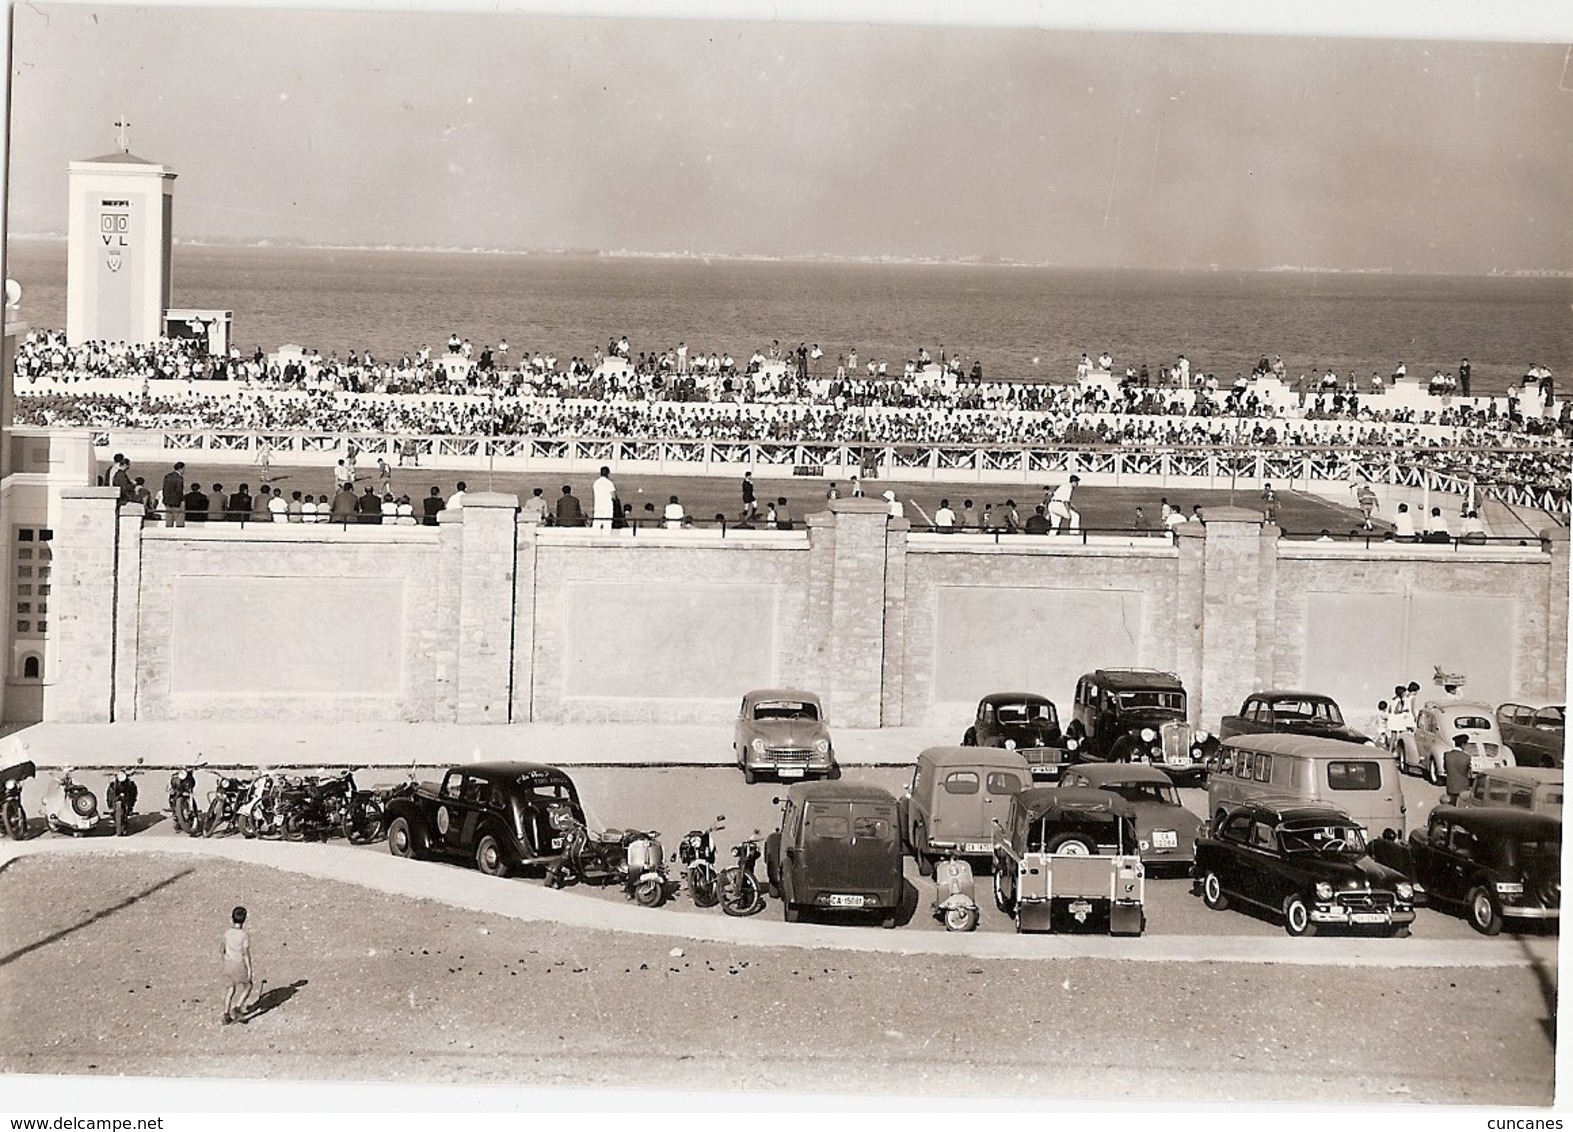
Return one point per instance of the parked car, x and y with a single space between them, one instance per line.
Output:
1067 858
1535 730
1025 722
1423 750
838 849
1138 715
1165 829
1493 863
953 799
1307 863
1533 788
501 815
1357 780
1298 713
782 731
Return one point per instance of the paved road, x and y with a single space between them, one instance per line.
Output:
673 800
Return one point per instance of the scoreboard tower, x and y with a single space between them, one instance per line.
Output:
120 227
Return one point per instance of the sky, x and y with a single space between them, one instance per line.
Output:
1108 148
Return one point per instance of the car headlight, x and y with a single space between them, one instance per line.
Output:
1010 744
1324 891
1405 890
1200 737
759 746
821 746
1071 744
1148 734
1509 888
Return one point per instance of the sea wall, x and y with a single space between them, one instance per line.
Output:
486 619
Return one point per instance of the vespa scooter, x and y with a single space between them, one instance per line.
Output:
953 894
70 807
629 857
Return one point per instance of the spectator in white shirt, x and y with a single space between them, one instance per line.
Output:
674 515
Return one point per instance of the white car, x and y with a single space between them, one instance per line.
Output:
1424 749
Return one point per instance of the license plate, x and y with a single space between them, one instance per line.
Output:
1177 760
1080 908
791 772
557 843
1368 918
838 901
978 847
1165 839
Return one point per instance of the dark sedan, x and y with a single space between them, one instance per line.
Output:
1298 713
1306 863
1025 722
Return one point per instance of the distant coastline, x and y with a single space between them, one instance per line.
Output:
897 261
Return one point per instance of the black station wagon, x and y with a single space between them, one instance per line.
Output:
501 815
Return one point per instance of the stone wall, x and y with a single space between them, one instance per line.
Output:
487 619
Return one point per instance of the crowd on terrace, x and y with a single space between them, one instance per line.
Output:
778 395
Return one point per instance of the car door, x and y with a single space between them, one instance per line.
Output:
1229 864
999 787
958 805
1259 864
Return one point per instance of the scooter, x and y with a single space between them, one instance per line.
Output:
696 853
739 889
13 817
182 800
121 798
630 857
70 807
953 895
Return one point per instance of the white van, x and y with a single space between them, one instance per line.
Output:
1361 781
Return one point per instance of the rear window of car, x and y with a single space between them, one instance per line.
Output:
873 822
1550 717
1352 775
1002 782
1471 723
828 825
961 782
785 709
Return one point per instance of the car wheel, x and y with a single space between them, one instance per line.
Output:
1297 916
1484 916
401 841
1433 773
489 858
1001 901
1071 844
749 777
791 913
1212 893
835 772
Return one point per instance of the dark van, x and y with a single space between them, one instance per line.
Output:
838 849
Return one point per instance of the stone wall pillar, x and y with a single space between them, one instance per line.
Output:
80 678
1555 540
1232 612
1189 578
893 684
526 542
847 608
444 645
128 583
486 593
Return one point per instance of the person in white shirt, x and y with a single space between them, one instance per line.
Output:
603 508
674 514
1473 530
1060 507
308 509
945 518
456 500
278 507
893 506
1404 524
534 509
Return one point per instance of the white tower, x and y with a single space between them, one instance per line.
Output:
120 228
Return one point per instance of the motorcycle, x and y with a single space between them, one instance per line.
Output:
357 812
738 888
223 814
121 798
696 853
629 857
12 816
953 895
70 807
182 800
263 811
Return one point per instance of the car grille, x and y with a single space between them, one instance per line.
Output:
1366 901
788 752
1176 742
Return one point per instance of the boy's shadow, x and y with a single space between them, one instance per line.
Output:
273 998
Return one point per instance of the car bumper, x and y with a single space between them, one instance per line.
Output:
1361 917
841 900
793 763
1509 912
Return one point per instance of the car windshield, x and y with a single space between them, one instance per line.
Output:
1025 713
1307 711
1327 840
1167 701
785 709
1144 792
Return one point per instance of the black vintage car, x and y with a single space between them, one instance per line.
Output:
1025 722
500 815
1307 863
1138 715
1298 713
1494 864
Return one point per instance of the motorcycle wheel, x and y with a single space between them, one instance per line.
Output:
294 828
650 893
120 819
741 895
703 886
215 815
961 919
248 826
15 820
180 810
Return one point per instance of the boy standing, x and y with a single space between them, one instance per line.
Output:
236 953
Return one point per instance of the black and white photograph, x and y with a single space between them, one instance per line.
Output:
747 558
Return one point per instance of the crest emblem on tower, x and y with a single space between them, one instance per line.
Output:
113 261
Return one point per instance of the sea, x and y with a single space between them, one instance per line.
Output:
1021 323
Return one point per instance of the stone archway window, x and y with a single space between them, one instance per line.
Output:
32 667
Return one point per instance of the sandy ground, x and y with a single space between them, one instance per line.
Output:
367 987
